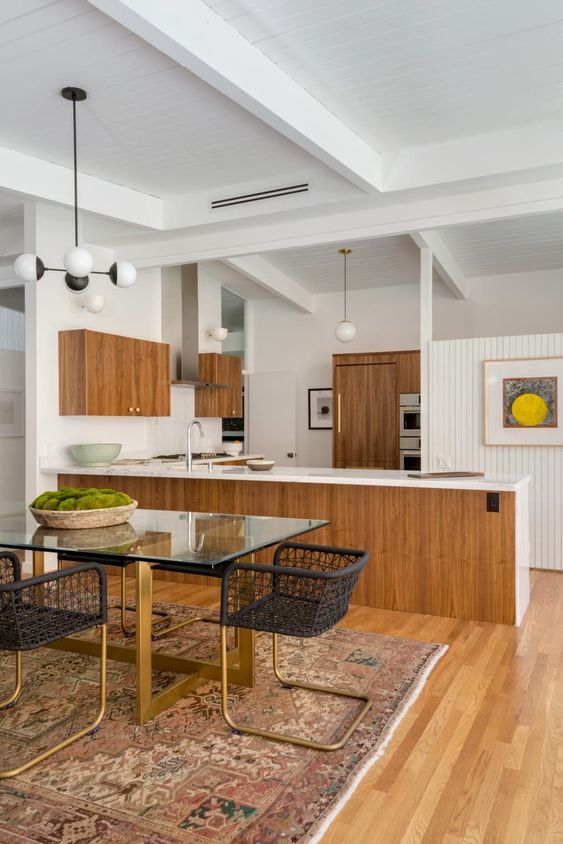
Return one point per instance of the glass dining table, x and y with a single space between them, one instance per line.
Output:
188 543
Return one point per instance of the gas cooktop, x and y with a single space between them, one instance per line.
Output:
196 455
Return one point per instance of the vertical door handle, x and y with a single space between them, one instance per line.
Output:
339 414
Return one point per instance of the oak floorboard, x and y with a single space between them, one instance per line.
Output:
479 756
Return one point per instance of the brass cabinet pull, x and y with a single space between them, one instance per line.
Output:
130 409
339 428
137 410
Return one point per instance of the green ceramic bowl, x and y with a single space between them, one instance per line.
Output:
95 454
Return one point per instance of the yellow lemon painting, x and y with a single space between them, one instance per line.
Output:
530 402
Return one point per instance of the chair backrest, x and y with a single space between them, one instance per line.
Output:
305 592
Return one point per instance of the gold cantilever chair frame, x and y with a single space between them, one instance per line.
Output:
305 593
37 586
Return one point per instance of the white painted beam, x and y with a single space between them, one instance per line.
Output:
518 151
426 333
197 38
448 269
262 272
476 206
35 177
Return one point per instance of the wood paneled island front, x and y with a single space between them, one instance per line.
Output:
434 546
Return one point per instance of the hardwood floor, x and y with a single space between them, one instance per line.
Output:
479 757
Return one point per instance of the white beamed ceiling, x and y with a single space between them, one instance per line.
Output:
148 124
404 73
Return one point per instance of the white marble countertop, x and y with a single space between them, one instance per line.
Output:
290 474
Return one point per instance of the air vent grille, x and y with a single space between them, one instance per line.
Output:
259 196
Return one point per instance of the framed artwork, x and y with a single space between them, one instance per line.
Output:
320 408
523 401
11 413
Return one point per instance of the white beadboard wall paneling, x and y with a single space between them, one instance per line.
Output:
456 403
12 330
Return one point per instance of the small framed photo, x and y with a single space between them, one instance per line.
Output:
320 408
11 413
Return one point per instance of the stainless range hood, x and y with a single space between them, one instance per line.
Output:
183 293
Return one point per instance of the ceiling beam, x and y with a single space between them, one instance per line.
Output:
444 262
264 273
439 212
190 33
40 179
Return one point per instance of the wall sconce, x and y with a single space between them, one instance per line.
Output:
218 333
93 302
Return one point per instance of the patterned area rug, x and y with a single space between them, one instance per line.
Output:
185 778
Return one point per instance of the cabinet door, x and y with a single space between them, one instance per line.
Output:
366 420
151 383
108 375
222 401
409 372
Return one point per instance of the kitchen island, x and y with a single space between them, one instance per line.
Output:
435 545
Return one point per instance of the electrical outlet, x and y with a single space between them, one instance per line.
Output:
444 461
493 502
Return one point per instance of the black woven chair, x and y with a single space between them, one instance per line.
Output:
305 592
40 610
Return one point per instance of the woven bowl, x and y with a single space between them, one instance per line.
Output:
75 519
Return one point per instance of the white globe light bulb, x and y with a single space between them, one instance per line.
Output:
123 274
94 303
78 262
219 334
345 331
29 267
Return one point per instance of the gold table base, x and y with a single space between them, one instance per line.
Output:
146 660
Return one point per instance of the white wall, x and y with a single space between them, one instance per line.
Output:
387 319
456 430
50 308
12 449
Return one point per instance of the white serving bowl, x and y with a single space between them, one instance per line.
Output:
260 465
232 449
95 454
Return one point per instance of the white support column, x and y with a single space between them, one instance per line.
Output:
426 272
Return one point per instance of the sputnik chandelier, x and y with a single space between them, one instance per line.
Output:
77 262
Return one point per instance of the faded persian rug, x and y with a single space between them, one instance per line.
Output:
185 778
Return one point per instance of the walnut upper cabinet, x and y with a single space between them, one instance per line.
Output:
111 375
366 390
225 400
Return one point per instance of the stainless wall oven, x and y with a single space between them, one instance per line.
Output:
409 415
409 432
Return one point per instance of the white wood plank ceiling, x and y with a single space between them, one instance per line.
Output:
373 263
409 72
508 246
147 124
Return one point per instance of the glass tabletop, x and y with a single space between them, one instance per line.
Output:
159 536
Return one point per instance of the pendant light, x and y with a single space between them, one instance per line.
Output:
77 261
345 330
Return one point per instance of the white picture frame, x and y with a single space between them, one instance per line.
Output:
11 413
507 380
320 408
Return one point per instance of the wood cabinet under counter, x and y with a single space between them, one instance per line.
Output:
112 375
434 545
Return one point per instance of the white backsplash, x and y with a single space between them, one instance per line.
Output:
167 434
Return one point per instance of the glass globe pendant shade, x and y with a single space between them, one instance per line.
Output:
123 274
78 261
29 267
345 331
